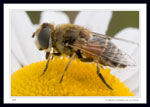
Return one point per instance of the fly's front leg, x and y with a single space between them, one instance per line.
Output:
57 54
101 76
72 57
48 57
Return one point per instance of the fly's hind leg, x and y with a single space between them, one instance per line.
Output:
86 59
72 57
101 77
78 53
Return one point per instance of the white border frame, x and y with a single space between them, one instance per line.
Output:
73 7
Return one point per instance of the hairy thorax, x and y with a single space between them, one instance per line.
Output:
67 34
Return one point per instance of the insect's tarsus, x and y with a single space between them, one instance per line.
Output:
49 57
102 78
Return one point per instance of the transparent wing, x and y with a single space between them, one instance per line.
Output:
101 48
109 37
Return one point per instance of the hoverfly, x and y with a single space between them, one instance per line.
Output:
74 40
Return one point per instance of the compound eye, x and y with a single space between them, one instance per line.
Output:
44 37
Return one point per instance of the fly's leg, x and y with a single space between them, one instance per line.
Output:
86 59
49 58
101 76
78 53
72 57
57 54
47 55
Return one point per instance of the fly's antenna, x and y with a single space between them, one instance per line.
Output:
33 35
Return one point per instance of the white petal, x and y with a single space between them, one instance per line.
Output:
54 17
23 29
129 75
35 26
16 49
133 81
96 21
15 65
130 49
131 34
136 91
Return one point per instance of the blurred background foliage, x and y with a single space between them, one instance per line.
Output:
119 21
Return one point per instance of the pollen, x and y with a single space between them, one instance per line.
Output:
80 79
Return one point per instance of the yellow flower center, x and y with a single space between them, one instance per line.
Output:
80 79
